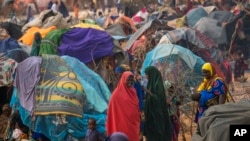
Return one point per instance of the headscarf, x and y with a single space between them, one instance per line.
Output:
207 83
122 68
123 110
118 136
157 126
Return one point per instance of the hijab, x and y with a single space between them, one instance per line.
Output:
207 83
123 110
157 124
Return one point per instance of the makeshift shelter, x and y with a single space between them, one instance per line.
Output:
86 44
62 96
198 43
190 35
47 19
221 16
212 29
194 15
177 65
28 37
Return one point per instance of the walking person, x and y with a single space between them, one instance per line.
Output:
76 8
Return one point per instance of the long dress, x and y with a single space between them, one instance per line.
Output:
123 110
157 125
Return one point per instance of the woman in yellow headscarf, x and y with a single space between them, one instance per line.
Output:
211 90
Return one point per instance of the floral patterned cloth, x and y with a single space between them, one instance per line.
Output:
7 70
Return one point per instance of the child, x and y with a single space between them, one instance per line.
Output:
239 69
92 134
142 124
173 107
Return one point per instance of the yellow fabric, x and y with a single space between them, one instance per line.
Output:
208 67
86 25
181 22
207 84
28 37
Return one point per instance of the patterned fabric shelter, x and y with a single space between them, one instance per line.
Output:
61 92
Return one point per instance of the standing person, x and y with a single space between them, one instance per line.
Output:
210 92
36 44
92 134
157 125
239 69
4 119
50 4
173 102
63 9
54 7
119 6
76 8
123 110
29 13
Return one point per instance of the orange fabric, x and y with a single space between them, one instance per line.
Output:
28 37
123 110
130 22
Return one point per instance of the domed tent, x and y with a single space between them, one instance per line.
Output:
177 65
61 94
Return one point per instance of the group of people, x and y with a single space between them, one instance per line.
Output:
158 121
136 113
144 112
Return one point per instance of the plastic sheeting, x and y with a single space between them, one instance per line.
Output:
191 35
194 15
212 29
177 64
216 121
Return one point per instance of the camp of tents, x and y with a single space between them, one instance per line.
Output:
72 77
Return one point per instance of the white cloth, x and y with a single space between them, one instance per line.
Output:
54 8
16 134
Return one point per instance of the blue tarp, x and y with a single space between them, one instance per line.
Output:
8 44
97 94
174 61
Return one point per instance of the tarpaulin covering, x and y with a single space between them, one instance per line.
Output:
51 41
221 16
8 44
212 29
177 64
86 44
216 121
57 127
28 37
191 35
194 15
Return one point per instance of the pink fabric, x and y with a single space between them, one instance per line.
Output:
123 110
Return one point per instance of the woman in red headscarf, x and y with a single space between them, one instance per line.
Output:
123 109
